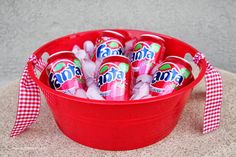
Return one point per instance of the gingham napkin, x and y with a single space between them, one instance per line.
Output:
29 98
214 94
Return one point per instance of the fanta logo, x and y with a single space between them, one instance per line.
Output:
68 73
103 51
141 54
168 76
111 75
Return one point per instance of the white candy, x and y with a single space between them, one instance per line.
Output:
89 68
80 93
146 97
67 92
142 92
144 78
137 86
129 45
71 91
155 69
81 54
89 47
93 93
141 88
98 62
89 81
75 49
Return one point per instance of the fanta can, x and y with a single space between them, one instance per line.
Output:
147 52
171 75
109 43
114 78
65 73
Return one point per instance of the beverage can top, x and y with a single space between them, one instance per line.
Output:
114 33
118 58
152 36
186 63
59 53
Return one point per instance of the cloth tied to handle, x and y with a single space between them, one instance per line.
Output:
214 94
29 99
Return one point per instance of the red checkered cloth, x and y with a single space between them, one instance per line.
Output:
29 99
214 94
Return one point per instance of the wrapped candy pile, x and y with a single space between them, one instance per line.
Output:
118 68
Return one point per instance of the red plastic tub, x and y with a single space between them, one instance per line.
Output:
115 125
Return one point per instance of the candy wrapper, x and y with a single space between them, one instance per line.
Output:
129 45
93 92
88 65
140 91
80 93
141 87
89 68
89 48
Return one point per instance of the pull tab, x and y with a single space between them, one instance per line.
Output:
28 99
214 94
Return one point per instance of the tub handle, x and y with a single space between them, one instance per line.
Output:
29 99
214 94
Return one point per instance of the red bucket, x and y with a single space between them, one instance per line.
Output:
115 125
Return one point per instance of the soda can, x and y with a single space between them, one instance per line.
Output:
114 78
172 74
147 52
109 43
65 72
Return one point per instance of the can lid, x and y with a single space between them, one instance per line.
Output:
114 32
59 52
153 36
117 57
180 58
